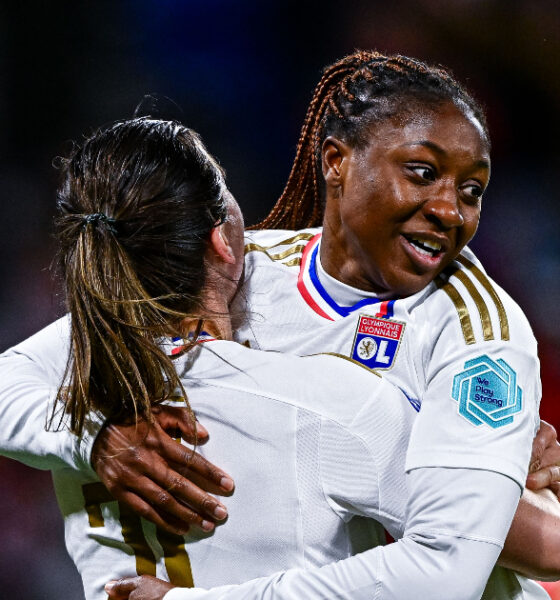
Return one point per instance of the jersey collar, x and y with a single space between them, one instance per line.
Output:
323 302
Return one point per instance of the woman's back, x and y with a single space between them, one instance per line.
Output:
315 441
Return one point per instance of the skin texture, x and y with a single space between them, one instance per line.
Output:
423 176
144 467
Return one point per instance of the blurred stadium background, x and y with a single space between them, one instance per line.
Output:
241 73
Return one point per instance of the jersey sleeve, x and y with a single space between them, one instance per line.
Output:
480 405
446 552
30 374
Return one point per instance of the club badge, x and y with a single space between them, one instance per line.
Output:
377 341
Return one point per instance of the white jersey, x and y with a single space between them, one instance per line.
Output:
317 444
430 345
460 348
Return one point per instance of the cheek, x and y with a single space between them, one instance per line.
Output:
472 219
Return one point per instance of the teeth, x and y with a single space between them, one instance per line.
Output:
426 246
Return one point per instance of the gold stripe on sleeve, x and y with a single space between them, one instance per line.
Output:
485 282
487 331
461 307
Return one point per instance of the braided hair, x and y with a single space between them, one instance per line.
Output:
354 92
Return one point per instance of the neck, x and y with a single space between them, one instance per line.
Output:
343 261
215 311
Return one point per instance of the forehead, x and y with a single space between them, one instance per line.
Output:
448 125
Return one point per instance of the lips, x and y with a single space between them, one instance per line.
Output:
426 250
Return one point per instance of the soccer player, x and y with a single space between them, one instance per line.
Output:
427 338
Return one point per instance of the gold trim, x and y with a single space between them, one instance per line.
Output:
487 331
279 256
485 282
295 238
295 262
177 561
461 307
352 360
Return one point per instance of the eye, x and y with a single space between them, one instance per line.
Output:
473 191
424 172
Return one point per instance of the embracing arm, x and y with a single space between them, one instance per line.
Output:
533 543
445 552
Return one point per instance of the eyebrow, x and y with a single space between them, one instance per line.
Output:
483 164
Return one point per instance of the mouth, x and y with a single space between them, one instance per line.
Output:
426 251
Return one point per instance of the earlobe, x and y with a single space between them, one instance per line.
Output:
220 244
334 154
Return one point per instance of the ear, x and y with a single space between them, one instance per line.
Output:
334 154
219 243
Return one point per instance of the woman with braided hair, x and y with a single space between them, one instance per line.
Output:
393 160
396 155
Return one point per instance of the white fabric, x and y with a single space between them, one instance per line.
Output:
431 353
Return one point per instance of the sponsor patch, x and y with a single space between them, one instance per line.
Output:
487 392
377 341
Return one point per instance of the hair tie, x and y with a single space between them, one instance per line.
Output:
95 218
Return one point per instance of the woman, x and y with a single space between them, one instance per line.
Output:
336 156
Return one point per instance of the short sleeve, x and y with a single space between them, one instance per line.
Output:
480 407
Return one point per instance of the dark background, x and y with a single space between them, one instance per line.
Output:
241 73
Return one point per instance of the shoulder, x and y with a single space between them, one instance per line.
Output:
278 246
467 301
331 386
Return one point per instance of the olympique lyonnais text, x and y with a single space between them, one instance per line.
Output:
380 327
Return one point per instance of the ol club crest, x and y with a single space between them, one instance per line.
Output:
377 341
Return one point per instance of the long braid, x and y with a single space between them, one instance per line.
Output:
345 103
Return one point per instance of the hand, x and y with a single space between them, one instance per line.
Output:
159 479
544 469
144 587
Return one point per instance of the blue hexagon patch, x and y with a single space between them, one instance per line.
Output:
487 392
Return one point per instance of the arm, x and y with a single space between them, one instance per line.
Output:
445 553
137 464
28 387
536 526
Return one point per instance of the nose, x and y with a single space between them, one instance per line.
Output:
443 210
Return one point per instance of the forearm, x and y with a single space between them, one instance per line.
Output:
533 543
391 573
26 402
